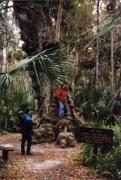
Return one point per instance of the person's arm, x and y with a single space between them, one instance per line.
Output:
21 125
28 118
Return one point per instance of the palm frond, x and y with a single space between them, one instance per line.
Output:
43 63
110 25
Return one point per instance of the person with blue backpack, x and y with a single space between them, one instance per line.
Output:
26 126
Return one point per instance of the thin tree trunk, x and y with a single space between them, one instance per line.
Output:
59 19
97 56
5 49
4 38
4 62
112 62
77 77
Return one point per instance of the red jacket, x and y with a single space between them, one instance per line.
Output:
61 95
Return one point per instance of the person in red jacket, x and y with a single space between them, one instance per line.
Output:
61 95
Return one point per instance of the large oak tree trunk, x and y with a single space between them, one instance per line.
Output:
34 22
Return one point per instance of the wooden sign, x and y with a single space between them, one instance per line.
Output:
95 136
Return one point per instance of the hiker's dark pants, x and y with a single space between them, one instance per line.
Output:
28 139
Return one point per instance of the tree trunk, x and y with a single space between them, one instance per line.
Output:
4 62
34 22
97 56
5 49
4 40
112 62
59 19
78 74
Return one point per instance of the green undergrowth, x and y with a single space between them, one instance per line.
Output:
2 163
5 132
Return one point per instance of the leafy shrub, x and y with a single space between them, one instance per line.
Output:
2 164
92 100
87 155
18 103
110 163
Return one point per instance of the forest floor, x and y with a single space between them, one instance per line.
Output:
48 162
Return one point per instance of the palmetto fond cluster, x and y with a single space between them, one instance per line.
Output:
42 63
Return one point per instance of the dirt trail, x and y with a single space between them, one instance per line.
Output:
48 162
